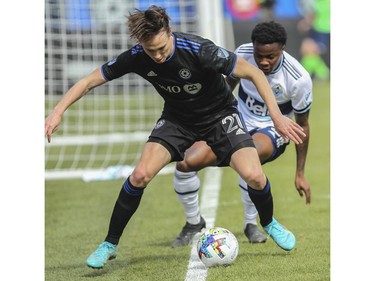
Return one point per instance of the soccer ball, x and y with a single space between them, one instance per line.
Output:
217 246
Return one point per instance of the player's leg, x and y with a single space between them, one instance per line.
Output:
250 225
245 162
233 146
186 185
154 157
266 149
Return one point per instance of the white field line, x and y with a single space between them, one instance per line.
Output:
98 139
208 205
74 174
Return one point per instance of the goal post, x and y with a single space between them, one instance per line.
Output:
110 125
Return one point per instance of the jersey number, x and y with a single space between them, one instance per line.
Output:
234 122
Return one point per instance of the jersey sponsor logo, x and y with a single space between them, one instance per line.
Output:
256 107
188 88
171 89
193 88
160 123
184 73
222 53
151 73
278 90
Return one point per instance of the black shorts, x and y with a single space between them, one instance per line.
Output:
224 137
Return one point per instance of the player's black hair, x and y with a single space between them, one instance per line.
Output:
268 33
143 25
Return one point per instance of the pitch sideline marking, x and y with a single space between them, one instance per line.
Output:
209 202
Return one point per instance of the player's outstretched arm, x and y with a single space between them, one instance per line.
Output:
79 89
285 126
301 184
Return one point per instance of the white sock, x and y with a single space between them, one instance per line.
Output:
250 212
186 186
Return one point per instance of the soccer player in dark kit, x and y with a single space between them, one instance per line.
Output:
187 71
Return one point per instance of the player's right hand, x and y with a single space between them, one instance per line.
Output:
51 124
289 129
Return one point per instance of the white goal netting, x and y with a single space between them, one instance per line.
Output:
110 125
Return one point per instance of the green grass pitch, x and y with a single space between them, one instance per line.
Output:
77 216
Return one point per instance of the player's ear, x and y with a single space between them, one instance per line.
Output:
169 31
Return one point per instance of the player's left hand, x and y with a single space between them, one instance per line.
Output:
287 128
303 188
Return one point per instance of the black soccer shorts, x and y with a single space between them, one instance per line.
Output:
224 137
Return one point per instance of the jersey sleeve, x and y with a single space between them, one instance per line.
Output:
118 67
217 58
302 95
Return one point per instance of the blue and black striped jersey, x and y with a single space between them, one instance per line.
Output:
190 81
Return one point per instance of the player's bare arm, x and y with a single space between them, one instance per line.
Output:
301 184
285 126
79 89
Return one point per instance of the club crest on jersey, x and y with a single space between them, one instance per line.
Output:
222 53
184 73
160 123
278 90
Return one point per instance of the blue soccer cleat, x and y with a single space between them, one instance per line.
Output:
282 237
105 251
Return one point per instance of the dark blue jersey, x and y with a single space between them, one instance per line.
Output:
190 80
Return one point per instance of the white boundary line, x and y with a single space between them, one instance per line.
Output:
96 174
98 139
209 202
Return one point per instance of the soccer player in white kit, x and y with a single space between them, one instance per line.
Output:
292 87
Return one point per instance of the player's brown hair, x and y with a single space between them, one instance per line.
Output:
143 25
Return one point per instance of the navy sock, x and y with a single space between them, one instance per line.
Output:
263 201
126 205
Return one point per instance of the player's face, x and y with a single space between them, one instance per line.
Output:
159 47
267 56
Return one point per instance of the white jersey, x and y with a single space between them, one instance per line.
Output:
291 85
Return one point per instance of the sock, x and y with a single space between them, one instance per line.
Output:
126 205
263 202
186 186
250 212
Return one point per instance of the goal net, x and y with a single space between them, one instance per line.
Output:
110 125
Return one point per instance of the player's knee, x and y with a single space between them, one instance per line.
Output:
140 178
187 165
183 166
255 178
